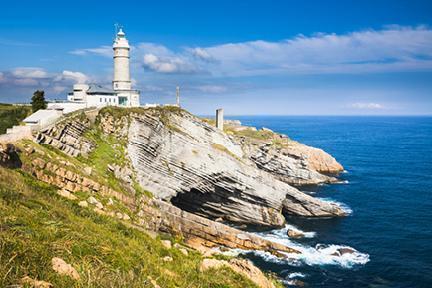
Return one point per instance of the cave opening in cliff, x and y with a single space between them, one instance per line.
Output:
206 204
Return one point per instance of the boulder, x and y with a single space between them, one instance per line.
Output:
83 203
166 244
343 250
295 233
9 156
63 268
66 194
29 282
241 266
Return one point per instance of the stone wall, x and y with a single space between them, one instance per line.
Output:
16 133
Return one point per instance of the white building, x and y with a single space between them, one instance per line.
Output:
42 118
121 93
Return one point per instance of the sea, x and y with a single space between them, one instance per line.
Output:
386 188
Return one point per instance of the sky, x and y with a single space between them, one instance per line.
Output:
249 57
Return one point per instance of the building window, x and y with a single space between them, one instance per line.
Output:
100 99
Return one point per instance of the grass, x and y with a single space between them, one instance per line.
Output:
108 150
254 134
222 148
36 225
11 115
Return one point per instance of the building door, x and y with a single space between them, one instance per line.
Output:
122 101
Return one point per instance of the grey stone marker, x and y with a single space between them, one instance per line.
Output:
219 119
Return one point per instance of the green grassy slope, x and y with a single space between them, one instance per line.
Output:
36 225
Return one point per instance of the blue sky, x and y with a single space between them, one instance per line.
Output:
249 57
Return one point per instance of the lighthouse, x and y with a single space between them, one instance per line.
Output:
122 81
92 95
121 49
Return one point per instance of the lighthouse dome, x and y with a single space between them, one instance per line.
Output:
120 33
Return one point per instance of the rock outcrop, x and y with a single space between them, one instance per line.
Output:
289 161
8 156
241 266
67 136
200 169
152 214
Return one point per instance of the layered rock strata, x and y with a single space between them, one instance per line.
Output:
200 169
67 136
184 160
155 214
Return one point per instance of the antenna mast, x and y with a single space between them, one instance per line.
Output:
117 28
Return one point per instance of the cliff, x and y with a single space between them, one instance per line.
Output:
184 160
165 170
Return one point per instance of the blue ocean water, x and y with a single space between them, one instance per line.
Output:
389 190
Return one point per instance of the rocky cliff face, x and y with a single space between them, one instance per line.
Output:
202 170
183 160
289 161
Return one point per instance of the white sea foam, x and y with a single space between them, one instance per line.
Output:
291 278
283 233
330 255
342 182
296 275
343 206
340 255
289 282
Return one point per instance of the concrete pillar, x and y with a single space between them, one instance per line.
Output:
219 119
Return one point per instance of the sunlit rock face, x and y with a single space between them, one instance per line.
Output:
215 174
202 170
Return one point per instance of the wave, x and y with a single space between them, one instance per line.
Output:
321 254
296 275
291 279
283 233
343 206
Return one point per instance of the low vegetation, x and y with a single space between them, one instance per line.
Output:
11 115
225 150
36 225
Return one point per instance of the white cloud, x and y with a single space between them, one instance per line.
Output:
392 49
367 106
76 77
59 89
37 78
105 51
212 89
200 53
167 64
29 72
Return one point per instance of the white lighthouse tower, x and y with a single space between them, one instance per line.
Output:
122 82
